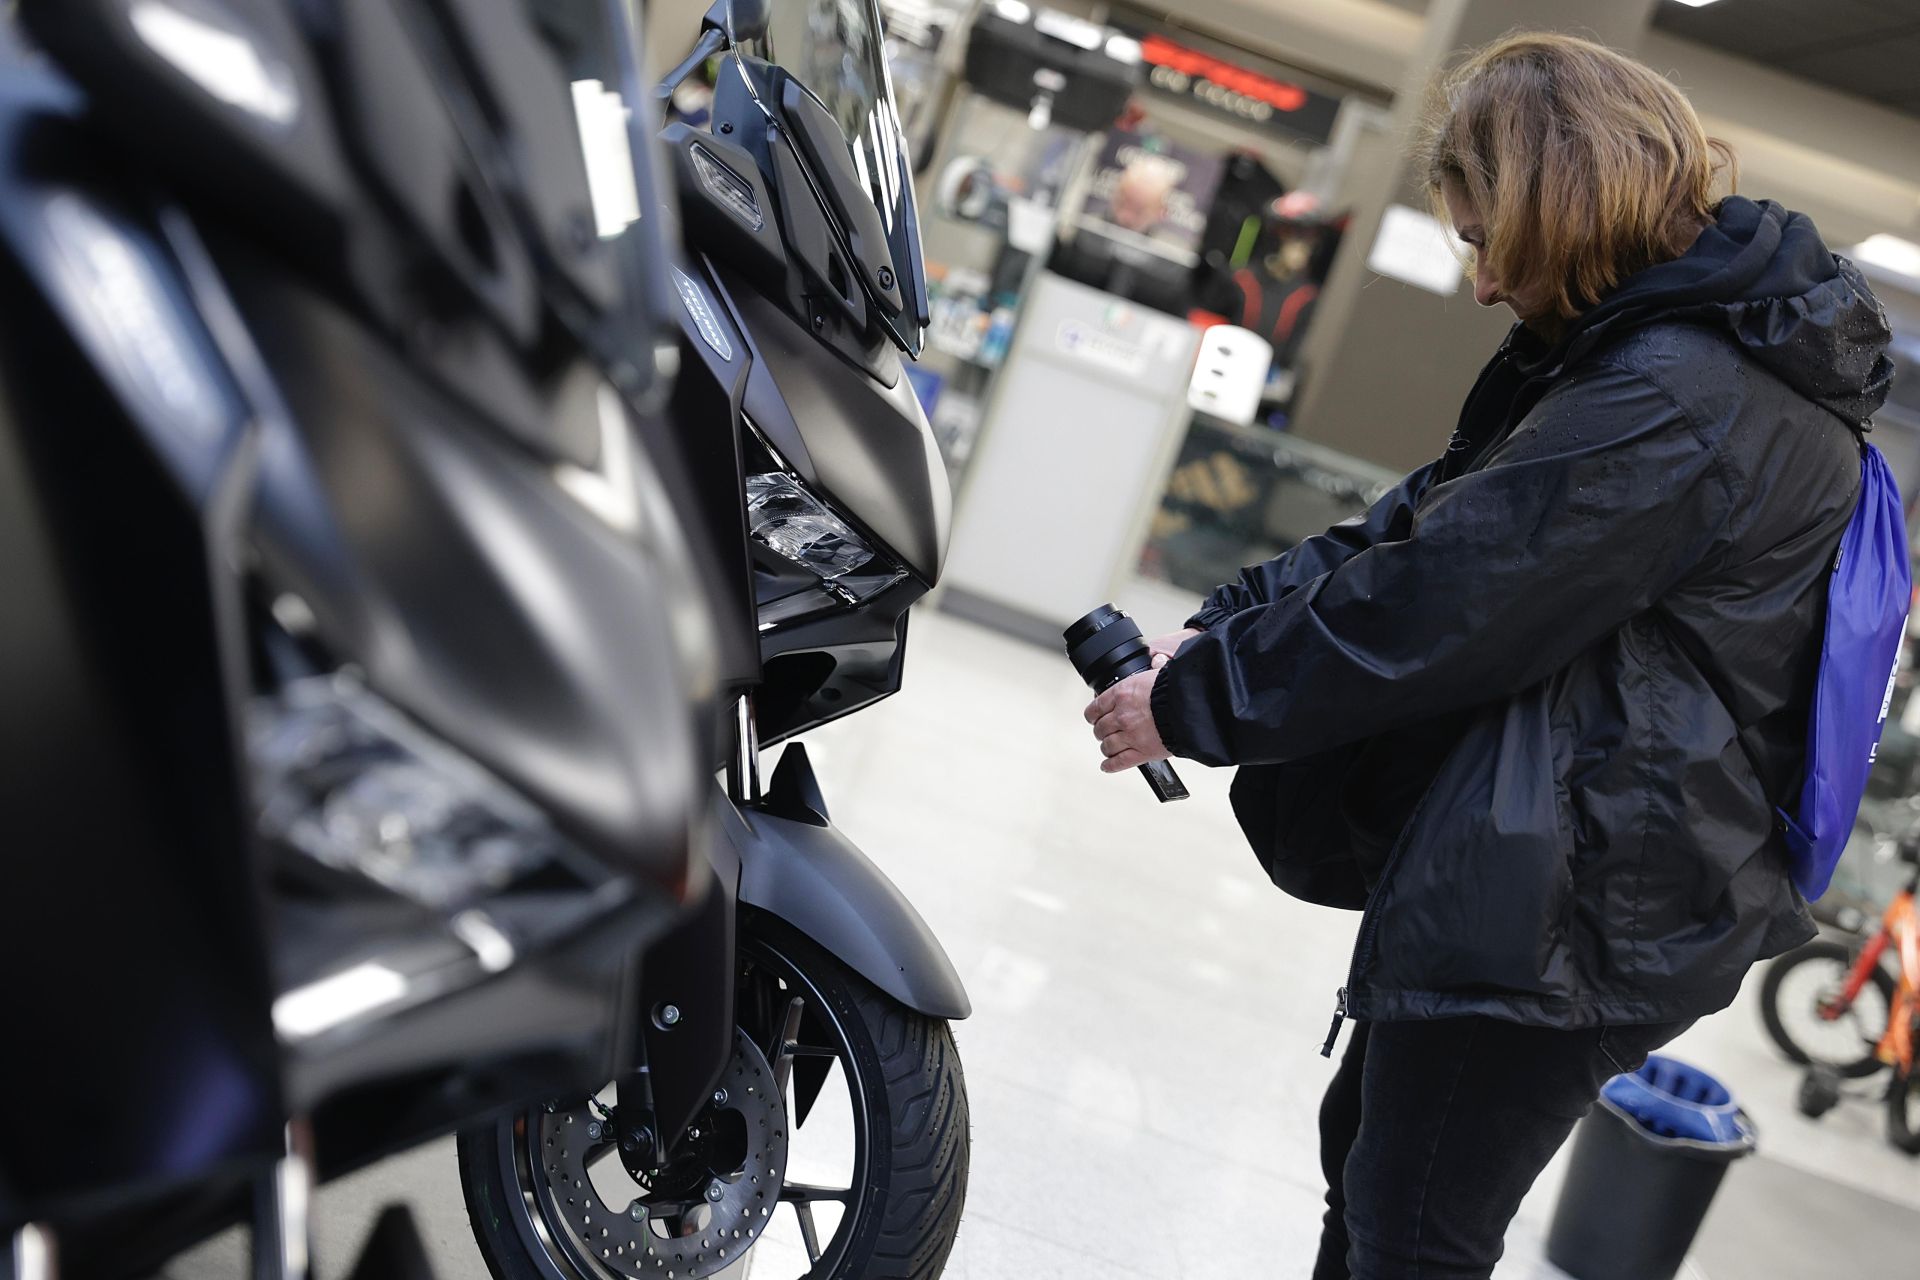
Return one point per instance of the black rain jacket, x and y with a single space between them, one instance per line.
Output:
1519 707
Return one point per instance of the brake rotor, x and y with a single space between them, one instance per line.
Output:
734 1206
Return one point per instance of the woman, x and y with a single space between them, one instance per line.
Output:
1554 682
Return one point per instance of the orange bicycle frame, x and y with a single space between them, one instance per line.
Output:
1899 928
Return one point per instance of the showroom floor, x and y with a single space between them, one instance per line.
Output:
1143 1057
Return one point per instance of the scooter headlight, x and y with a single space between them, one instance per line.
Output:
841 569
344 778
785 517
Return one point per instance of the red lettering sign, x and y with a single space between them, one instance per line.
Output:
1161 52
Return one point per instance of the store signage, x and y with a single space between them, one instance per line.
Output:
1418 249
1102 350
1237 91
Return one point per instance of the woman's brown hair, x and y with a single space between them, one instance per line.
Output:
1584 165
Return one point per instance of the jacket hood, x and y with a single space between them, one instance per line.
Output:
1800 311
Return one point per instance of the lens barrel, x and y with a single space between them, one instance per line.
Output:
1106 647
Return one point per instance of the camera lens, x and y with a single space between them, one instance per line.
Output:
1106 646
1093 622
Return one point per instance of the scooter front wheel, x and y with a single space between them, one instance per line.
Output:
853 1166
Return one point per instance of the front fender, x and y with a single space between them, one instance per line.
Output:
804 871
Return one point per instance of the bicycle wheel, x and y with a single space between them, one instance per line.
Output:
1800 984
1903 1112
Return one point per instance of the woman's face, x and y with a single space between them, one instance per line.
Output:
1487 288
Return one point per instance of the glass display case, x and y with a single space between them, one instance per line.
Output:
1242 494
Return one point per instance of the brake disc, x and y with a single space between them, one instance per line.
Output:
734 1206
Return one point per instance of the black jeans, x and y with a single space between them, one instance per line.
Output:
1432 1132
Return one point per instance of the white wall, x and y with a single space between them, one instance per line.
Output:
1853 165
671 28
1363 42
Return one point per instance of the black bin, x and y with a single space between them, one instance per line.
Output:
1645 1166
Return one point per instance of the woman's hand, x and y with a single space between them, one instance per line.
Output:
1122 720
1164 647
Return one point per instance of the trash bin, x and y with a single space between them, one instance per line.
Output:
1646 1163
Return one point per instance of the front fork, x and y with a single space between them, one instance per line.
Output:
1857 978
743 763
687 981
34 1254
281 1223
282 1211
1896 1047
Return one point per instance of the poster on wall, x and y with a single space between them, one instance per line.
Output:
1155 188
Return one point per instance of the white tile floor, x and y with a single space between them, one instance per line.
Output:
1143 1056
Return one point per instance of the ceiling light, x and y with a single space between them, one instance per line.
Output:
1890 252
1697 4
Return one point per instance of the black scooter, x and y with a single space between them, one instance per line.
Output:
799 1099
358 696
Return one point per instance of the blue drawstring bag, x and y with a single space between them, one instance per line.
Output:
1868 595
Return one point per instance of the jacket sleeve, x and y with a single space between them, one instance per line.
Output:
1388 519
1602 499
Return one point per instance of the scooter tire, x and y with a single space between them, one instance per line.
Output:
920 1130
919 1140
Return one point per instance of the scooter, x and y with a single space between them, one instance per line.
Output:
358 690
799 1104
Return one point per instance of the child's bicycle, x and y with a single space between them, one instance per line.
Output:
1846 1017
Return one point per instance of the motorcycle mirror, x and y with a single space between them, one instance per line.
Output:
747 19
728 24
715 37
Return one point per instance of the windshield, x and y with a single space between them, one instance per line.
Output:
837 49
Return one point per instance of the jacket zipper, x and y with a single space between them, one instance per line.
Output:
1339 1016
1456 442
1368 921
